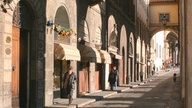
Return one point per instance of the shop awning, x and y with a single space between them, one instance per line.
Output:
105 57
117 56
89 54
67 52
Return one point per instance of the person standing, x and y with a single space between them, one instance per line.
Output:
69 83
112 77
174 77
141 76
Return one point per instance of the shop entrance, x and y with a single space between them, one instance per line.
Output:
60 68
20 67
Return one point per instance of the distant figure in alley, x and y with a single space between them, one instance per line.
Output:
174 77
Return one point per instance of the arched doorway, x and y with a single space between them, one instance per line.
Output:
125 76
163 49
122 73
60 66
23 44
131 55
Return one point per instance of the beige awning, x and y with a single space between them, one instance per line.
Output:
117 56
105 57
89 54
67 52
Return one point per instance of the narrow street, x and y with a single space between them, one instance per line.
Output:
161 92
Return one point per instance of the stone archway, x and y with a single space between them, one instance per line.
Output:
123 45
29 84
21 52
60 66
173 30
160 43
131 59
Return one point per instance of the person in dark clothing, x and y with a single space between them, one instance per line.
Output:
174 77
69 83
141 76
112 77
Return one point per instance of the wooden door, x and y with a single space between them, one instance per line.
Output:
15 64
83 81
122 73
97 80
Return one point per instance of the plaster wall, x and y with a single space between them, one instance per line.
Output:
155 10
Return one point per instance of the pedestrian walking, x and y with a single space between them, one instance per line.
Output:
153 71
174 77
69 83
112 77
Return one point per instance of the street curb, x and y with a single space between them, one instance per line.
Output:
123 90
85 103
62 106
109 95
133 86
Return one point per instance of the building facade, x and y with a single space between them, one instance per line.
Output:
41 39
22 51
185 51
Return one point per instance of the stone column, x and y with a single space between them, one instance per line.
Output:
106 72
49 67
92 77
188 50
74 65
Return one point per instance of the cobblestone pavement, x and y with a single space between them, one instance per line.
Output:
161 92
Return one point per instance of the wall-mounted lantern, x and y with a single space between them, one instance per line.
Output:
10 3
49 23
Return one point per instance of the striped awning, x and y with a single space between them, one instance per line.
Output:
89 54
66 52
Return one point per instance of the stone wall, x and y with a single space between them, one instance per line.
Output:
37 81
